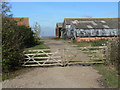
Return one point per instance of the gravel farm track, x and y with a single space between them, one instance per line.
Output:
76 76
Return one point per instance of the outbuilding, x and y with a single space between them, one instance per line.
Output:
59 27
75 28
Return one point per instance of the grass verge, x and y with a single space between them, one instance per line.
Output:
0 78
39 46
11 75
55 38
110 75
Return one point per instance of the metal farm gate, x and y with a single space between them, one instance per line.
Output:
64 57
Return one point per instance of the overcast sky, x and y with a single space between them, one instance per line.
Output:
47 14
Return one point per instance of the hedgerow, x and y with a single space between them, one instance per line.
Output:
14 39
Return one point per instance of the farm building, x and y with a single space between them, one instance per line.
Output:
58 30
22 20
92 28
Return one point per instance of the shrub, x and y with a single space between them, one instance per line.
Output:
113 53
27 34
98 42
14 39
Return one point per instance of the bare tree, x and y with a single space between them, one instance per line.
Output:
5 9
37 30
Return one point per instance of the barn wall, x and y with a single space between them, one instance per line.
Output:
71 32
57 32
96 32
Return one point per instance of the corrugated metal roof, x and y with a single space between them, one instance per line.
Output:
89 26
93 22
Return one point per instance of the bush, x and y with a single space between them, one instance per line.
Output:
98 42
113 53
28 38
14 39
93 43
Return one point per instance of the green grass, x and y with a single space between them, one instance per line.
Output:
56 38
41 56
82 44
0 78
109 75
36 52
39 46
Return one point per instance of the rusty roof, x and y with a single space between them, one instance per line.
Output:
22 20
